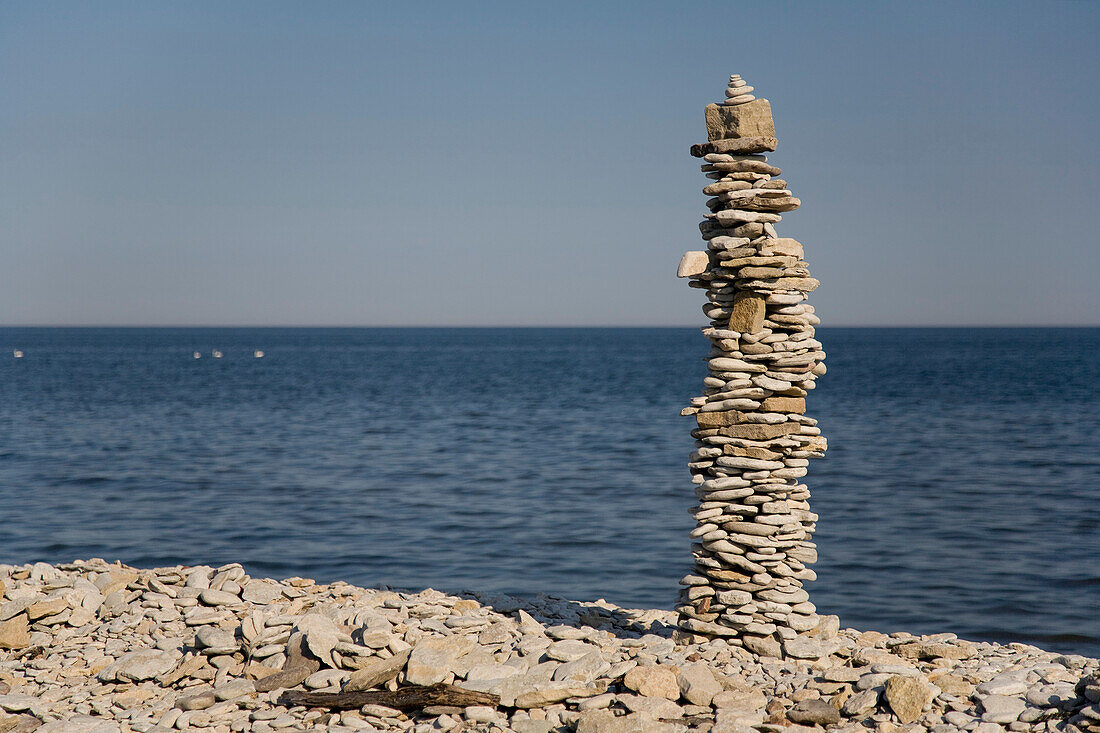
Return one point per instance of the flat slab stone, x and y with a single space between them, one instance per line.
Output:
737 145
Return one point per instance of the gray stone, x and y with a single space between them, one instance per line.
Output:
321 636
584 670
262 592
233 689
568 650
213 597
861 703
80 724
213 641
1001 708
698 684
433 659
814 712
138 666
377 672
801 647
1002 686
605 721
196 699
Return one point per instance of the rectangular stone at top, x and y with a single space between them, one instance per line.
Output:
752 119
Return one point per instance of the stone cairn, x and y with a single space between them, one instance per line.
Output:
753 441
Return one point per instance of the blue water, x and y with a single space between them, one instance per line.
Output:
959 493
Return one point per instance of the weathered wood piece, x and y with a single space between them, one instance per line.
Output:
404 699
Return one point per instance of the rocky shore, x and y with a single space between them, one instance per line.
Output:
91 646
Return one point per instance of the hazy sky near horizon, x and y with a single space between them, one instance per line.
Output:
361 163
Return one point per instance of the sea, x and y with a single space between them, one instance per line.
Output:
960 492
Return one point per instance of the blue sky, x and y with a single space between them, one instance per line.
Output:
248 163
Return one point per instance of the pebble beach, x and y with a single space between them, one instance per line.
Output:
103 647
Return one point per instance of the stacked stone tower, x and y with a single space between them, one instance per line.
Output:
753 543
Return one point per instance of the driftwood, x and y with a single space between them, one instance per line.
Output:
404 699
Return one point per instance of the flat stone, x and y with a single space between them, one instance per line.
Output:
324 678
1002 686
233 689
568 650
43 609
763 646
287 678
801 647
213 640
656 681
736 146
213 597
13 608
861 703
262 592
790 405
584 670
138 666
378 672
433 659
605 721
907 696
1001 708
753 119
740 696
548 693
532 726
814 712
79 724
654 707
196 700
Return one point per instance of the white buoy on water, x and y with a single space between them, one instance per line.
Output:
197 355
216 354
258 354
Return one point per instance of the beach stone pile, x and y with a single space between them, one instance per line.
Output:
92 647
753 541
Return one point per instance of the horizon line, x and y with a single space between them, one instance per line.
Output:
533 326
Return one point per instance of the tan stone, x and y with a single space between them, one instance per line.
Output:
15 633
42 609
747 313
922 650
739 695
953 684
465 605
782 246
758 431
743 120
796 405
378 672
907 696
718 419
747 452
693 263
656 681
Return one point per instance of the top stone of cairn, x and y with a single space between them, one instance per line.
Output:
738 91
741 116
